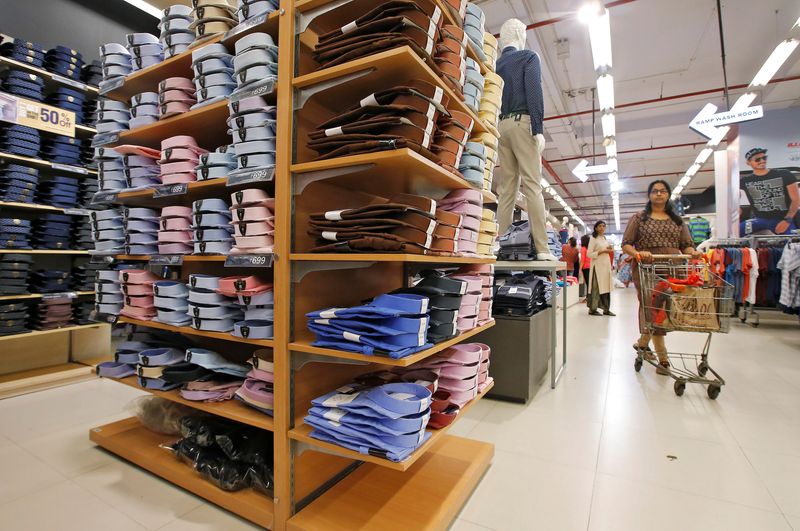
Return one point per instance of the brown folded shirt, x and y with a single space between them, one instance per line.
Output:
375 146
409 219
393 8
371 244
404 234
397 135
377 124
420 44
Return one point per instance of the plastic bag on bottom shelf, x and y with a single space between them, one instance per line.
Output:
158 414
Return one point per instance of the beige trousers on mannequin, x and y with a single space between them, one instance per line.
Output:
521 160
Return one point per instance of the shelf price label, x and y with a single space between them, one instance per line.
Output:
102 139
167 190
70 82
249 260
76 212
66 167
108 86
54 296
37 115
166 260
102 197
241 28
255 176
261 88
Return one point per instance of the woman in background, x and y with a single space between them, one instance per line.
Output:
586 263
571 255
601 274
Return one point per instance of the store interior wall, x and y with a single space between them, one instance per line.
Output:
80 24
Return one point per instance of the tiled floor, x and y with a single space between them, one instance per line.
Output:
608 449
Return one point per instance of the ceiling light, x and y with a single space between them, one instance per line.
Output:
617 186
677 191
693 169
718 136
147 8
600 37
589 12
605 92
611 150
703 156
613 177
612 164
609 125
544 183
744 101
685 180
774 62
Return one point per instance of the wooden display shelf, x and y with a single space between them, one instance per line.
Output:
147 79
32 206
429 496
303 344
85 130
395 64
130 440
230 409
302 433
194 190
388 257
5 298
390 172
48 76
43 251
36 333
188 330
186 257
45 164
20 383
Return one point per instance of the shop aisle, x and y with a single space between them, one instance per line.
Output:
592 454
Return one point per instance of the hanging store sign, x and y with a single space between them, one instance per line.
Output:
583 170
708 120
37 115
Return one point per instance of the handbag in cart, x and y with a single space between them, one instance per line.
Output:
695 308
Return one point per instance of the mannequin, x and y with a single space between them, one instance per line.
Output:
571 230
521 133
563 233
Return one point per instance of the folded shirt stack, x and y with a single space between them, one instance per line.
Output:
19 140
211 226
69 99
84 276
256 60
145 49
399 23
141 230
65 62
112 116
15 233
49 281
463 373
386 420
14 272
470 301
217 164
473 88
88 111
180 155
52 313
209 309
88 187
252 123
469 205
250 292
137 287
473 164
82 234
175 233
110 169
176 33
392 119
140 166
14 318
450 57
445 298
490 50
488 233
490 145
212 17
253 221
92 73
107 231
62 149
126 358
53 231
108 295
475 28
521 294
486 274
18 183
250 9
213 74
553 242
82 309
222 379
23 84
451 137
404 223
144 109
258 386
171 302
152 364
24 51
60 191
446 233
393 325
491 99
116 61
176 95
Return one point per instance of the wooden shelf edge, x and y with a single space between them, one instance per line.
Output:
186 258
36 333
126 137
305 346
42 251
388 257
135 443
20 383
39 296
130 198
42 162
225 336
302 433
90 89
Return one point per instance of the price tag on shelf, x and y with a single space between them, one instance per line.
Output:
64 295
255 176
167 190
249 260
106 196
70 82
166 260
103 139
66 167
262 88
37 115
108 86
76 212
241 28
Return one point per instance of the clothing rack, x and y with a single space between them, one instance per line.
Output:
748 313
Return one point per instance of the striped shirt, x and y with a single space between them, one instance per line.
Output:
522 90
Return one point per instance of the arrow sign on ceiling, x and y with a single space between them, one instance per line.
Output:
583 170
707 120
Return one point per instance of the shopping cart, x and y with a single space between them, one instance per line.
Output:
679 294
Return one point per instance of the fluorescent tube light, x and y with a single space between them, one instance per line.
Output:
617 186
744 101
703 156
774 62
605 92
685 180
611 150
677 191
719 135
144 6
589 12
609 125
600 37
693 169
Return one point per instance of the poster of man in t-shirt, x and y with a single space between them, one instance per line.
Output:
773 196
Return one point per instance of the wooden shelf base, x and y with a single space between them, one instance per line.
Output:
389 257
135 443
427 497
20 383
302 433
188 330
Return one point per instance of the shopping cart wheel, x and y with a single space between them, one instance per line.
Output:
680 387
713 391
702 369
637 364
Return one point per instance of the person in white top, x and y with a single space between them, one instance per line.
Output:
751 294
601 275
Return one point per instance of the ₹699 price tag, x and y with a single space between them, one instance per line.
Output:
45 117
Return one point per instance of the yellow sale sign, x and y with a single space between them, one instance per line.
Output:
37 115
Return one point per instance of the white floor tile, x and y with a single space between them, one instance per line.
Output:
780 473
623 505
24 474
142 496
66 507
463 525
208 518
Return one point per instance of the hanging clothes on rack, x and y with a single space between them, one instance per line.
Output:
789 265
